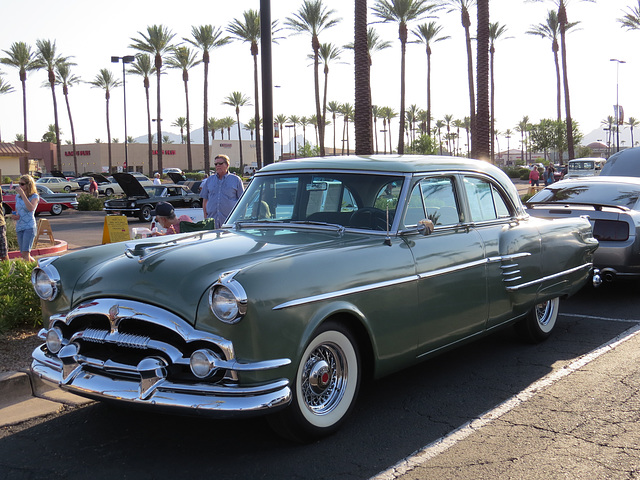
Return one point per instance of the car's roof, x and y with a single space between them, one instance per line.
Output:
598 179
384 163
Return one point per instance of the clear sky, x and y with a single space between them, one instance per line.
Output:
524 69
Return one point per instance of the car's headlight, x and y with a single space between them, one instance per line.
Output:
46 279
227 299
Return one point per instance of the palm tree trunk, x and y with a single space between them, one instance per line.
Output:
403 48
315 44
73 132
466 22
149 136
108 132
189 158
257 112
24 161
57 125
205 128
481 142
159 113
334 133
362 74
239 141
562 20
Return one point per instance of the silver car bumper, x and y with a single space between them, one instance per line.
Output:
145 369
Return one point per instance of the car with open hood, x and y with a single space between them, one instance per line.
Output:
327 272
50 202
109 186
140 200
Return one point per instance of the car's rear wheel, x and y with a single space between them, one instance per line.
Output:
108 192
56 209
539 322
325 386
145 214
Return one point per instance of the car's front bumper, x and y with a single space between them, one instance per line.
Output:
154 390
130 352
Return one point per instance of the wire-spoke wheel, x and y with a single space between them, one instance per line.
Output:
539 322
326 385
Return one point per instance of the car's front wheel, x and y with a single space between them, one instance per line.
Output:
539 322
56 209
67 189
108 192
325 386
145 214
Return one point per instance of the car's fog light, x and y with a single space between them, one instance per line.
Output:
54 340
203 363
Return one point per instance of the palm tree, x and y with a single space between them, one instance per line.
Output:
347 112
156 42
107 81
607 125
389 114
212 126
328 53
226 123
5 88
67 79
496 31
463 7
295 120
425 119
184 58
508 134
181 123
523 128
481 132
631 19
438 129
21 57
402 12
237 100
281 119
632 122
206 38
143 67
362 121
249 31
313 17
375 113
250 126
47 58
304 121
564 27
362 77
334 108
429 33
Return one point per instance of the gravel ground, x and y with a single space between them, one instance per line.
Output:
15 349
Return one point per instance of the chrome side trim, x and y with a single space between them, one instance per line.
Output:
398 281
550 277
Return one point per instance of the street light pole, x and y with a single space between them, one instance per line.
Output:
618 62
126 59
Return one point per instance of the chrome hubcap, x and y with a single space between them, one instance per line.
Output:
324 379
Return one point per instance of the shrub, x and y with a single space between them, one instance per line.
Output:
6 180
87 202
19 304
12 237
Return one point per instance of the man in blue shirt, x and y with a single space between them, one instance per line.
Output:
220 192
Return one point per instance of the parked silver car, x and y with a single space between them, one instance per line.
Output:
613 207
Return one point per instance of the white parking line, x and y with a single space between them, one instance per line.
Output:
442 444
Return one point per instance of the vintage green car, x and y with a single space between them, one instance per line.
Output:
327 272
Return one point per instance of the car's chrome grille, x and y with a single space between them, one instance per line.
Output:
109 331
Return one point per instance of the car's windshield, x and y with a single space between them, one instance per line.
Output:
365 201
618 194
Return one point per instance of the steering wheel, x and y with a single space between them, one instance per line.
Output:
370 218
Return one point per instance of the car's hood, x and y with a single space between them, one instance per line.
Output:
176 177
99 178
130 185
175 272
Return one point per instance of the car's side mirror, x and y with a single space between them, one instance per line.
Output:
425 227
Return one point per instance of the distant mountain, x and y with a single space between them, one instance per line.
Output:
198 137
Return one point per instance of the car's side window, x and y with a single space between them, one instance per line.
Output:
485 202
440 200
